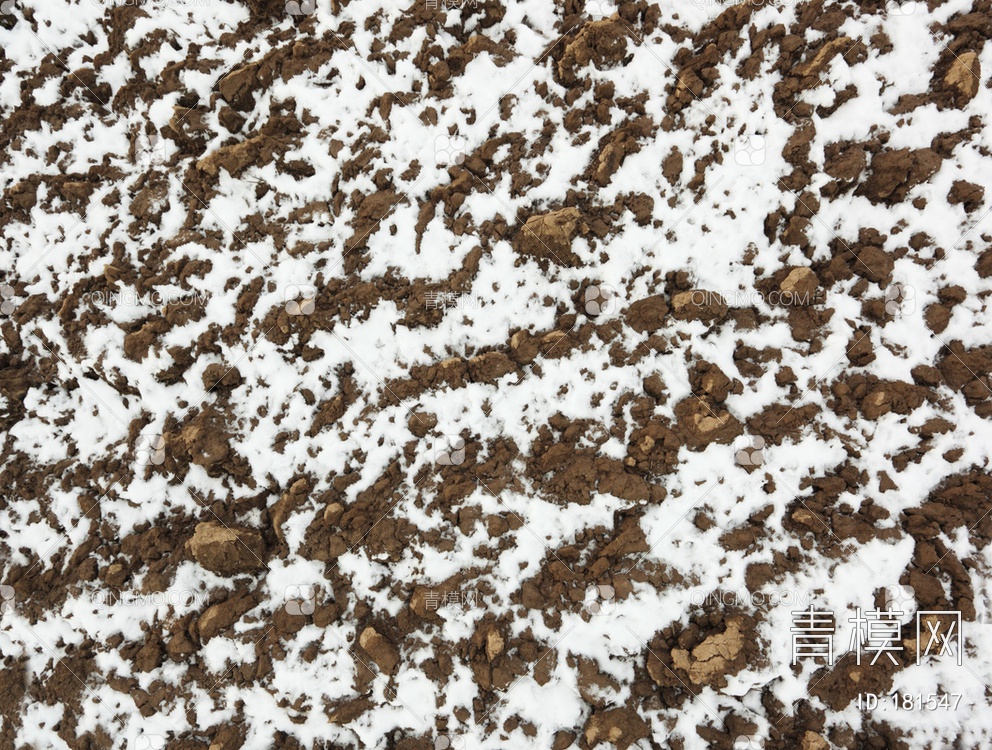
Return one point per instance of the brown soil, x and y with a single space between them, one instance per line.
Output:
242 517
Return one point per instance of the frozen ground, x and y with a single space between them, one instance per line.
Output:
494 375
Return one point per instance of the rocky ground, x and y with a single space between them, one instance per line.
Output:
492 375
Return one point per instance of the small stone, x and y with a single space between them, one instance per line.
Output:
421 423
699 304
799 287
227 550
813 741
383 653
219 377
620 727
964 75
550 236
647 315
494 645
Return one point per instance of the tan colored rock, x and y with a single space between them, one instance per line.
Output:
227 550
680 659
964 75
714 656
596 688
346 712
228 737
700 424
23 195
204 440
550 236
827 53
186 119
893 175
709 662
237 86
524 346
699 304
602 43
799 286
813 741
150 199
490 367
494 645
705 423
875 404
212 622
333 513
621 727
219 617
425 600
257 151
518 338
284 507
383 653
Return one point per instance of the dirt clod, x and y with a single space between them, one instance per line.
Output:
227 550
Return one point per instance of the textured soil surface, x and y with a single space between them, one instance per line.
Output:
493 375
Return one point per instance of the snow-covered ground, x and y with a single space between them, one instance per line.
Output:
493 375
